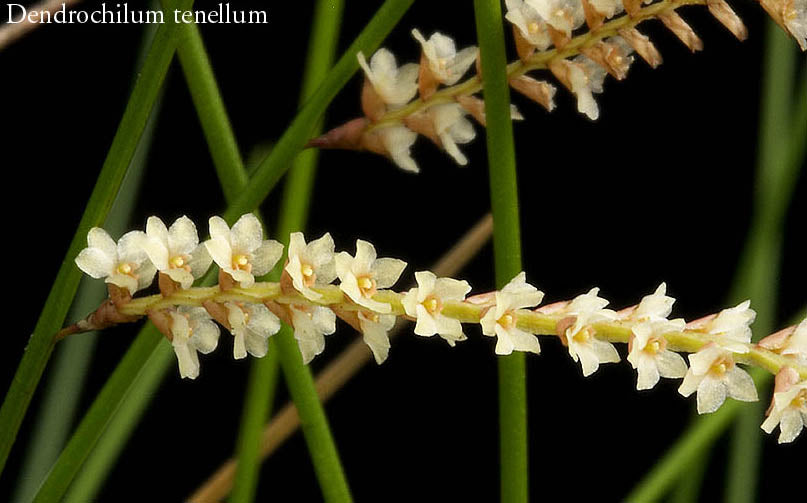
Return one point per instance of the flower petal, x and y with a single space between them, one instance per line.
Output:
183 237
266 256
246 234
95 262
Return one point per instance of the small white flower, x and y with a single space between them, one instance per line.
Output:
251 325
607 8
789 406
241 251
363 275
563 15
452 128
500 320
176 251
589 309
375 330
124 264
396 86
311 325
192 331
586 77
311 264
649 354
531 25
425 304
654 307
713 374
794 16
733 327
796 345
397 141
446 64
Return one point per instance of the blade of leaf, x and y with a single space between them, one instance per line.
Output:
66 380
67 279
294 212
506 242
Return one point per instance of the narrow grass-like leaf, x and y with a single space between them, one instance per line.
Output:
102 459
293 215
66 380
506 242
66 283
121 381
757 276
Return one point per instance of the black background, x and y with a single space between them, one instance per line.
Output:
658 189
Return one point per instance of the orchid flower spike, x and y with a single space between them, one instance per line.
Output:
311 325
124 264
586 310
361 276
395 86
446 64
425 303
311 264
714 375
788 408
501 320
192 332
241 251
251 325
176 252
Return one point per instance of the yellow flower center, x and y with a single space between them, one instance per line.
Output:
800 401
241 263
177 262
442 63
654 345
582 336
721 366
367 285
507 320
309 278
432 304
533 27
125 268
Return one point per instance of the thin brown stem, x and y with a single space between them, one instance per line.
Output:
11 32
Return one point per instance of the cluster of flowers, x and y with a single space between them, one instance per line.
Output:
394 118
306 299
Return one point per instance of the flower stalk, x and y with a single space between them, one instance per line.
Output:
252 310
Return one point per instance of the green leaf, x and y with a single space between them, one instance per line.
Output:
506 242
66 380
64 287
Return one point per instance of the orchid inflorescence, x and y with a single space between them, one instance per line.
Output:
401 103
307 299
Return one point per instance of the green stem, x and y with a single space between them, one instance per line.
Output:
759 269
122 380
212 115
314 423
506 242
66 283
294 212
